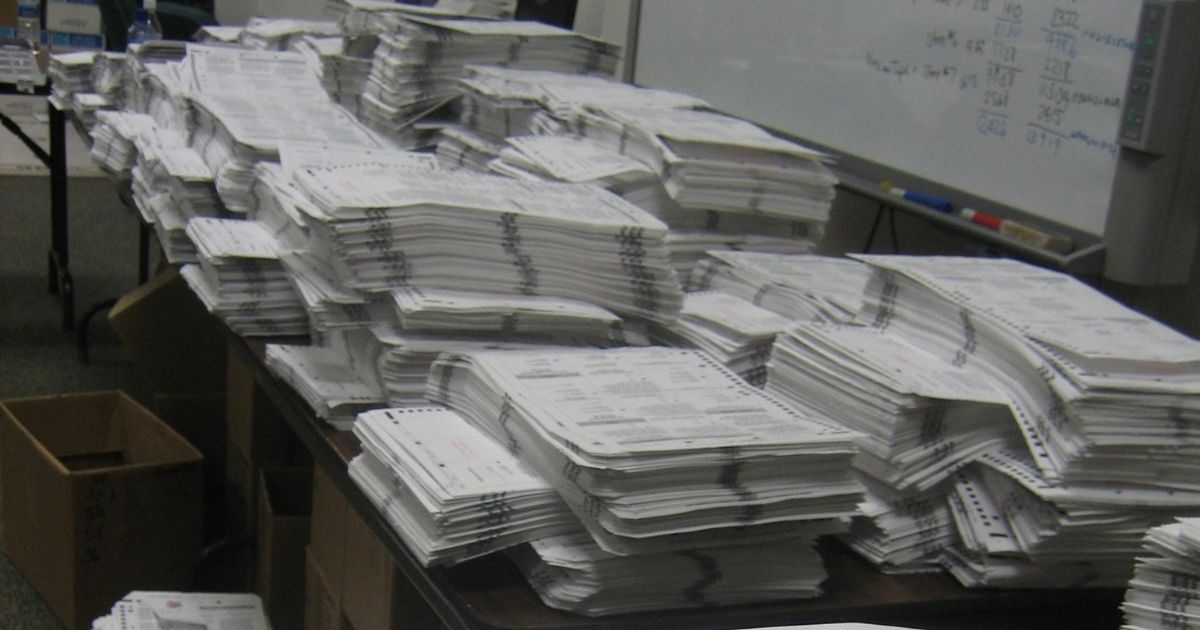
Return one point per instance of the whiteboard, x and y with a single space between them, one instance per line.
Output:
1015 102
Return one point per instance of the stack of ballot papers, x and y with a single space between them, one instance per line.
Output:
240 279
327 380
458 148
161 610
801 287
181 173
507 316
113 138
216 35
282 33
902 532
342 74
108 70
70 73
658 449
919 418
328 304
1165 588
732 330
450 491
1103 397
248 102
405 359
690 247
387 227
572 159
86 105
1014 530
158 89
418 67
374 17
709 161
571 572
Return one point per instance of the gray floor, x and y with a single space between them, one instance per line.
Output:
36 355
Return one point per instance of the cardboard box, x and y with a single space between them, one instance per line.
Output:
170 334
99 497
321 611
327 537
8 13
284 511
375 594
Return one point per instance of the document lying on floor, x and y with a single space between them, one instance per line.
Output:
160 610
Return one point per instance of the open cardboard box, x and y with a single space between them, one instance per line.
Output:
100 497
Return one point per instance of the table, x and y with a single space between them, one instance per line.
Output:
491 593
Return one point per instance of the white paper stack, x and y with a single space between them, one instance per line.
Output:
450 491
325 378
375 17
1016 530
108 70
919 418
902 532
571 572
328 304
248 102
214 35
405 358
152 610
1164 593
241 280
281 33
449 311
181 173
657 449
709 161
343 75
803 288
70 73
458 148
113 139
574 160
385 227
418 67
732 330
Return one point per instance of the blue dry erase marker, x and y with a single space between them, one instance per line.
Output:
929 201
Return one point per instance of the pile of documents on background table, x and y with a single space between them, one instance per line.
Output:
69 74
660 450
283 33
1166 583
153 610
417 67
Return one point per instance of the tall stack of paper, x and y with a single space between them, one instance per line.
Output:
657 449
248 102
241 280
148 610
70 73
902 532
343 75
507 316
710 161
375 17
113 139
458 148
1166 583
282 33
691 247
215 35
141 59
387 227
418 67
329 304
1105 399
803 288
450 491
405 358
571 572
921 420
325 378
181 173
108 69
734 331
